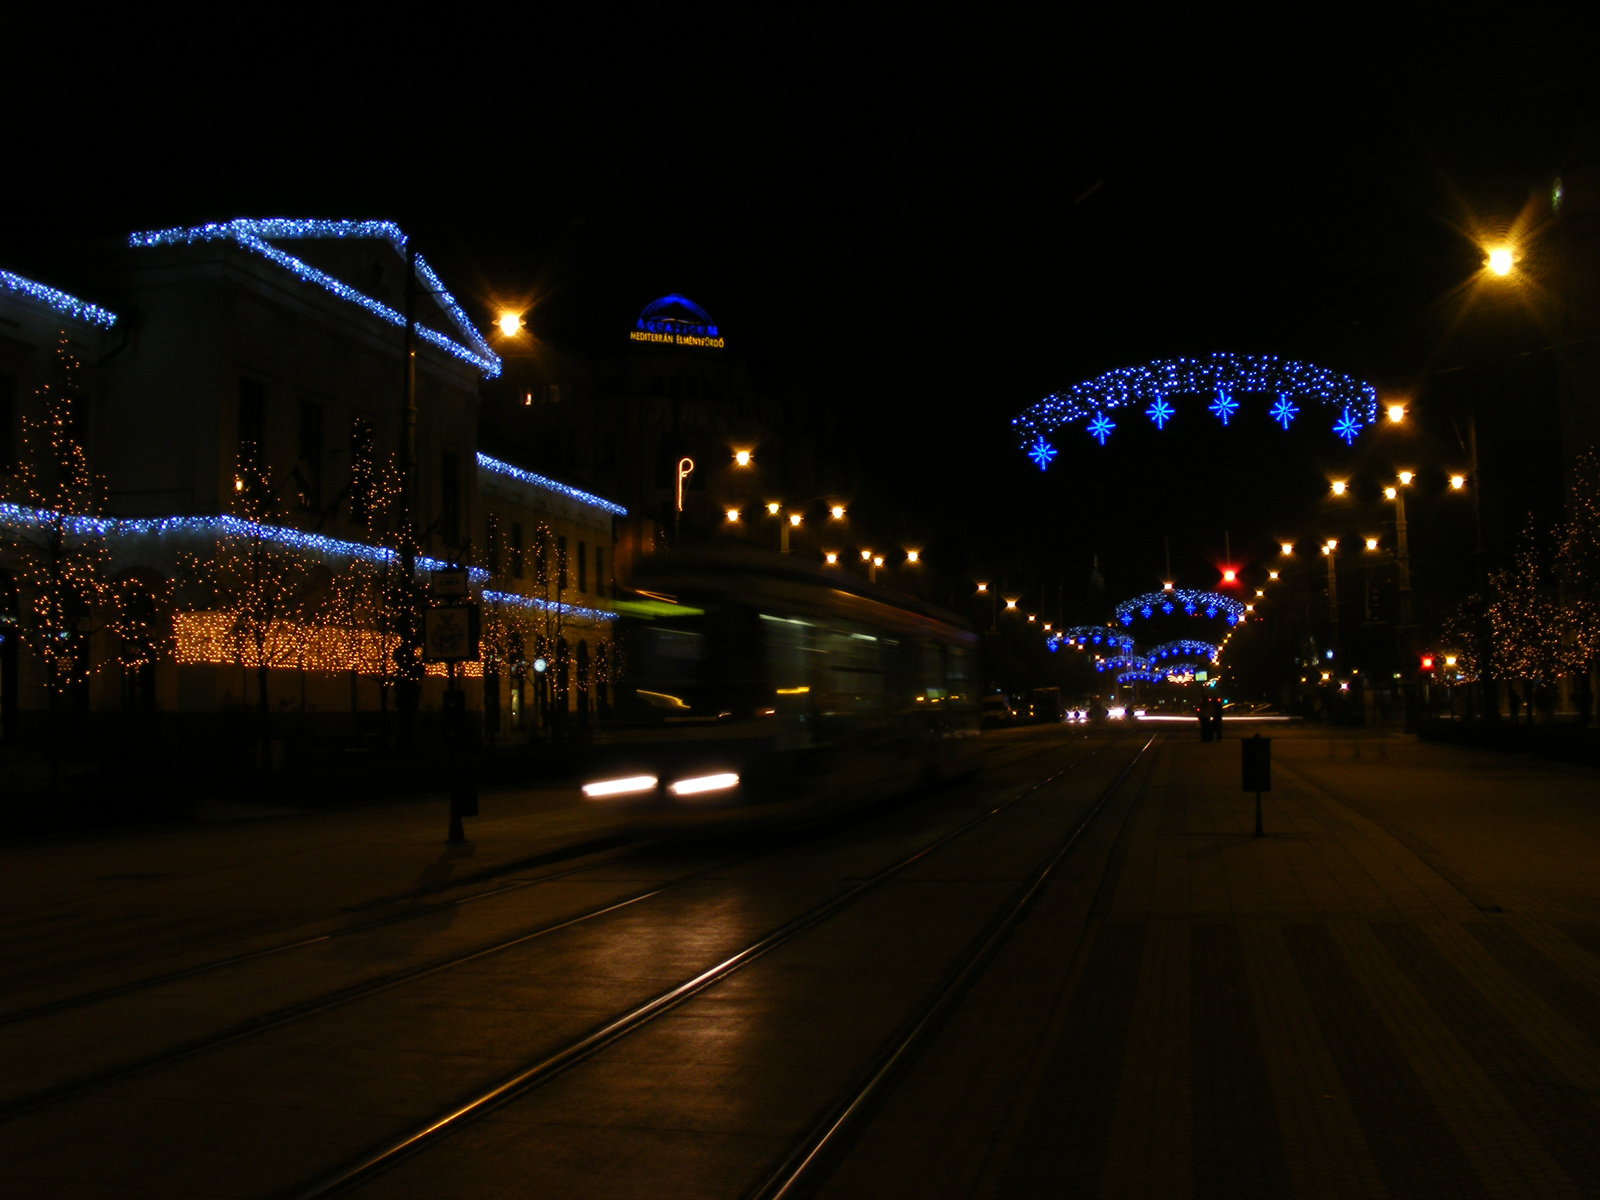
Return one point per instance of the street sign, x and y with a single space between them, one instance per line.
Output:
450 633
448 583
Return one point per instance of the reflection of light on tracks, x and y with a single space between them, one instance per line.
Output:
1229 717
631 786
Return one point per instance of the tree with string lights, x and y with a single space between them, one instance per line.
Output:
58 540
1578 568
1526 622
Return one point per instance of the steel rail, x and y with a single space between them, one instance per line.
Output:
618 1027
55 1093
800 1167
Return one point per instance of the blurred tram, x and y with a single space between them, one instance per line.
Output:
751 680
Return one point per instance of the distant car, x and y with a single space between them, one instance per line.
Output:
997 710
1046 706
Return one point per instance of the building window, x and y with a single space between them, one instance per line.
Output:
363 481
450 496
252 424
583 566
561 564
308 467
8 425
516 549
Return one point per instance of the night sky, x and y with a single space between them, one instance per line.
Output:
929 235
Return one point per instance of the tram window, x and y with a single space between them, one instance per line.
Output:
933 683
854 660
789 655
958 672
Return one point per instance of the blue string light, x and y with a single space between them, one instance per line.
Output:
1184 646
59 300
1084 635
1347 427
1192 601
1224 406
320 545
1100 427
253 235
518 600
1222 375
1042 452
1160 412
539 481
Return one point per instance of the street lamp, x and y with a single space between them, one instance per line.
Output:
773 507
1287 548
1396 413
1339 486
837 512
1457 482
741 458
913 556
733 516
510 323
1500 261
831 558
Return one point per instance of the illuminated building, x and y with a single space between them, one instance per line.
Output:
671 385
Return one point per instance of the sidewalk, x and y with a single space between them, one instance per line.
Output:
1395 992
124 905
1378 998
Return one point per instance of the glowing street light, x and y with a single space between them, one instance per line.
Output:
1339 486
913 556
773 508
1500 260
837 512
1011 605
831 558
1396 413
741 458
1287 548
1457 482
1390 493
1372 543
1406 477
510 323
733 516
794 520
877 560
1167 587
1272 574
866 556
983 587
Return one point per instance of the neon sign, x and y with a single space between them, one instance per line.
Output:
676 321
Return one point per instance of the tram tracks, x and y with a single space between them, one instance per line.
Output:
796 1168
284 1015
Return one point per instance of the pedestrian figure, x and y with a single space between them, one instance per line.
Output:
1203 711
1216 719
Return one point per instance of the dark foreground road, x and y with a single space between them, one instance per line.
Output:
1075 974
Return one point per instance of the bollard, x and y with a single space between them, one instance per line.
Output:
1255 761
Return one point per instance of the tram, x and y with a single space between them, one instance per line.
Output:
753 680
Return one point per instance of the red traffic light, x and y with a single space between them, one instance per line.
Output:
1229 575
1427 662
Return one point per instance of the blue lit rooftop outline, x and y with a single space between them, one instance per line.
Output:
540 481
62 302
20 518
253 235
1220 376
517 599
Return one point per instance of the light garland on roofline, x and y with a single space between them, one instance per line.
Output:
539 481
518 600
61 301
18 517
253 234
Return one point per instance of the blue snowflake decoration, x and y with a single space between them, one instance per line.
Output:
1145 612
1166 608
1212 612
1189 608
1283 412
1042 452
1101 427
1347 427
1159 412
1127 618
1224 406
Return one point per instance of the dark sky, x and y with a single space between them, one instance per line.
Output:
928 230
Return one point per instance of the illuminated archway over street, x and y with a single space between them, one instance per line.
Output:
1228 386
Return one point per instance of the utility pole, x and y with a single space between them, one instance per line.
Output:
408 682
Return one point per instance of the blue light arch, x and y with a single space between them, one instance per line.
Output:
1283 387
1184 601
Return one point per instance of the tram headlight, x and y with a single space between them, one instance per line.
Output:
700 784
632 785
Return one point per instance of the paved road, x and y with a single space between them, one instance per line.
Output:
1074 974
